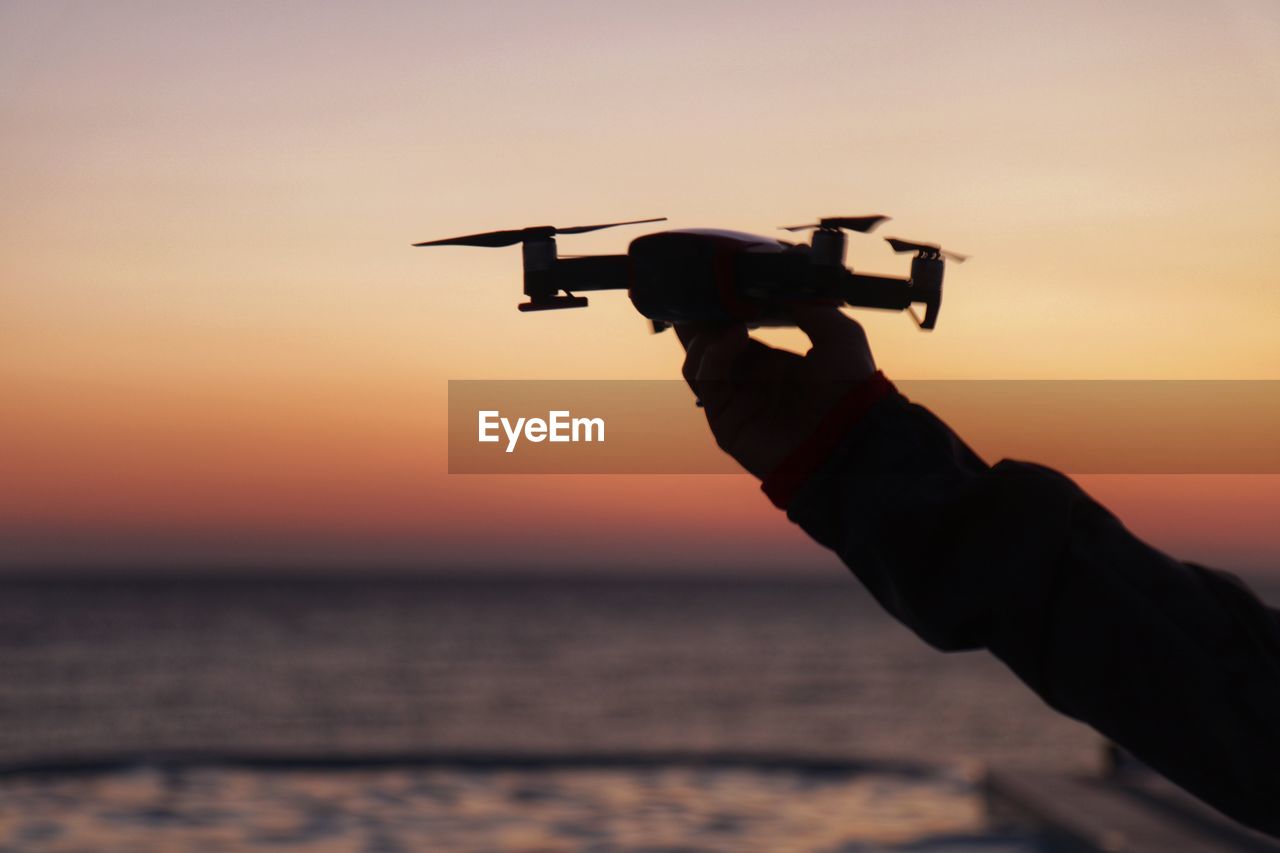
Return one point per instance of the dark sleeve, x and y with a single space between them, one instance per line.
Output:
1177 663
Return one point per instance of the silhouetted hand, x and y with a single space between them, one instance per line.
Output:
763 402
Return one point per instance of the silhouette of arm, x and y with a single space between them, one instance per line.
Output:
1177 663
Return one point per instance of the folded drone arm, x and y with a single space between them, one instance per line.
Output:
593 272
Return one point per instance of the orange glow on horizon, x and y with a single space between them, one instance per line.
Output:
212 325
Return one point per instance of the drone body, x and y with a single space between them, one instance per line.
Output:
708 275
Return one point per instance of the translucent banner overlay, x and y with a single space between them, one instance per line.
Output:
1076 426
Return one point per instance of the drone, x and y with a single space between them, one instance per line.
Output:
702 275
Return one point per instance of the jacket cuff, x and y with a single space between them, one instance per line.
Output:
782 484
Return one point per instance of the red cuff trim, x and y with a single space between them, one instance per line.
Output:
781 485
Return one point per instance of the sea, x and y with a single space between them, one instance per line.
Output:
498 713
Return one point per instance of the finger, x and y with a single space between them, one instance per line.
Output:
741 362
693 356
749 386
695 350
696 339
829 328
718 350
686 332
722 348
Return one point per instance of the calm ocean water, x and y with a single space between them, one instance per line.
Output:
352 667
497 668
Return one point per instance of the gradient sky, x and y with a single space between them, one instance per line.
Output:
217 348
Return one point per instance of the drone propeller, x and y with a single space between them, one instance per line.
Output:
924 249
496 239
861 224
583 229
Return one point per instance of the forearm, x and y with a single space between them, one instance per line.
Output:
1178 664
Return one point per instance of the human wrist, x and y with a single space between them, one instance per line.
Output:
782 483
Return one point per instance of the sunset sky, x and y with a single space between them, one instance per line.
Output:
218 350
